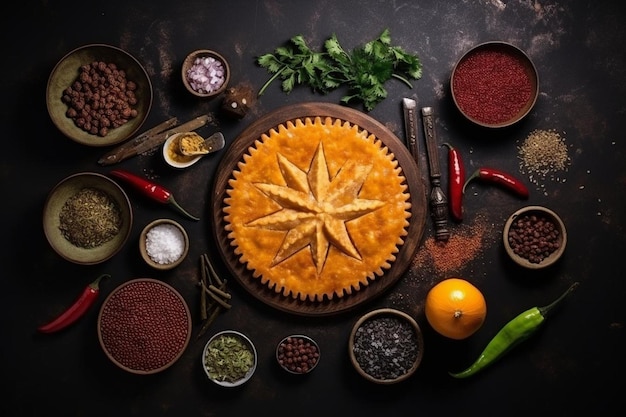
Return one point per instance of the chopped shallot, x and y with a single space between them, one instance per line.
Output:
206 75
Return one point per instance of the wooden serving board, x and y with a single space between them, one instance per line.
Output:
234 155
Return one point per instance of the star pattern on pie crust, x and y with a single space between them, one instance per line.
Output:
316 207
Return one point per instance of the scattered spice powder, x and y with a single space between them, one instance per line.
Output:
466 242
491 86
542 155
90 218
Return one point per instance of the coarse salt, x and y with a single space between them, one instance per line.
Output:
165 243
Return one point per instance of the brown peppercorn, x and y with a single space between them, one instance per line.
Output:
297 354
533 237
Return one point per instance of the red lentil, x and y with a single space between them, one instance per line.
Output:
144 325
491 86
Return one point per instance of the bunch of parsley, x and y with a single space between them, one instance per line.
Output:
364 70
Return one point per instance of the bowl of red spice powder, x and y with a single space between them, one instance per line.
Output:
144 326
494 84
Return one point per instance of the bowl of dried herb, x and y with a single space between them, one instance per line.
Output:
386 346
87 218
229 358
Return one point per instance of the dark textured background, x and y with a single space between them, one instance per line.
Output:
572 365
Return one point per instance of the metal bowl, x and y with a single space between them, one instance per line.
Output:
376 355
144 250
521 256
212 371
298 354
60 194
480 89
189 62
65 73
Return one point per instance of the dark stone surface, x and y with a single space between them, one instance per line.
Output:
571 365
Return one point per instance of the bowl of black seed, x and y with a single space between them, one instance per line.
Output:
534 237
298 354
386 346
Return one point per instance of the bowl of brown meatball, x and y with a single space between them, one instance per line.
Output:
534 237
98 95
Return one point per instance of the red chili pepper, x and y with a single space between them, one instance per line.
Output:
151 190
76 310
456 180
498 177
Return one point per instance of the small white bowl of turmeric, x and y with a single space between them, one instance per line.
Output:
172 153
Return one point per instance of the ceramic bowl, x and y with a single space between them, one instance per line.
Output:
79 252
298 354
494 98
189 62
63 76
175 159
217 352
524 220
386 346
133 331
170 229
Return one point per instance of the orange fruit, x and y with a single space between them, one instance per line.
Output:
455 308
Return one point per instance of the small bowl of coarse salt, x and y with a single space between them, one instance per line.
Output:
205 73
164 244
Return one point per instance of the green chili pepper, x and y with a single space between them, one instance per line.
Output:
513 333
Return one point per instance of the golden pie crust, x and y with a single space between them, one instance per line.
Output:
317 208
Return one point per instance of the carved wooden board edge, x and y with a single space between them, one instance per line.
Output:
404 256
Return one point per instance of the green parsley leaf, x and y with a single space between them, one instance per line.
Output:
364 70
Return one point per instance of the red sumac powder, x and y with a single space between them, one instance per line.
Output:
491 86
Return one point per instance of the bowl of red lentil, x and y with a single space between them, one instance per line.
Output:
163 244
298 354
98 95
494 84
229 358
205 73
144 326
386 346
87 218
534 237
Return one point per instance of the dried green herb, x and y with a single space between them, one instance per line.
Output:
90 218
364 70
228 358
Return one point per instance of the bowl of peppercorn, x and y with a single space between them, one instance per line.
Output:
205 73
386 346
298 354
534 237
98 95
229 358
494 84
87 218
